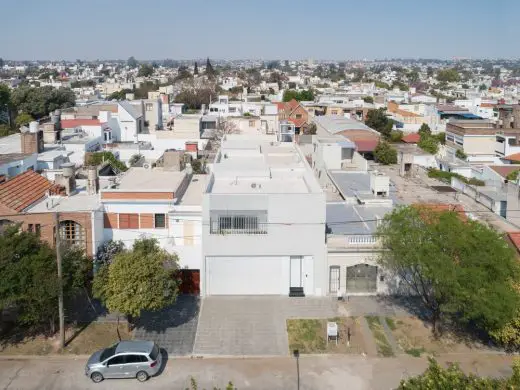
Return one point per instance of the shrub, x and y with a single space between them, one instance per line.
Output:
429 144
98 158
460 154
396 135
446 177
385 154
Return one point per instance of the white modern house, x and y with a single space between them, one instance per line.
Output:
263 222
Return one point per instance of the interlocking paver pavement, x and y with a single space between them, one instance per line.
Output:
245 325
173 328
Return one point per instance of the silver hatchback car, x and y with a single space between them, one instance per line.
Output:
126 359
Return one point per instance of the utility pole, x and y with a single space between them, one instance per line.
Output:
60 279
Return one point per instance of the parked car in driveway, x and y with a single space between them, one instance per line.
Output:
126 359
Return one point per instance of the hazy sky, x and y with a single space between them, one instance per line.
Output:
267 29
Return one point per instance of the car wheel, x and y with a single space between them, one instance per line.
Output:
96 377
142 376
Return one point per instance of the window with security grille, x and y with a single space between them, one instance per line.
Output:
245 222
72 234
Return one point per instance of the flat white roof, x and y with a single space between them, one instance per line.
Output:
150 180
195 191
10 144
250 165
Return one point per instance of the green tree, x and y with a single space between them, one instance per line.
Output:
146 70
304 95
195 98
119 95
30 277
396 135
196 69
453 378
381 84
139 279
441 137
23 119
368 99
39 102
448 75
377 120
210 72
385 153
429 144
460 269
132 62
482 87
5 130
424 130
98 158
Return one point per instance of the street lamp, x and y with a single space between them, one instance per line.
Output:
296 354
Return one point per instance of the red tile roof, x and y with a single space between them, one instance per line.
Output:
73 123
512 157
411 138
365 145
504 170
515 239
23 190
297 122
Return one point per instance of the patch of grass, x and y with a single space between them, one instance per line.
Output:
304 335
383 346
310 336
417 352
391 323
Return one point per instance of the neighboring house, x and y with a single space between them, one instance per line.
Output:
153 112
33 201
481 140
363 136
404 120
162 204
264 222
294 112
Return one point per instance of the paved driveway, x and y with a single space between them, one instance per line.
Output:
173 328
245 325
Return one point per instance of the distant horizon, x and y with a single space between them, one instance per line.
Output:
335 30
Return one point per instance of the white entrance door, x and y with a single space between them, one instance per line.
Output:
296 271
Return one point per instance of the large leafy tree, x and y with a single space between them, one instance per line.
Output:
139 279
377 120
38 102
146 70
460 269
132 62
29 279
23 119
453 378
385 153
304 95
448 75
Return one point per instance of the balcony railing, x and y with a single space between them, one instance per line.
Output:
259 228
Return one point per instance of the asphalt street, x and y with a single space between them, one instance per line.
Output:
270 373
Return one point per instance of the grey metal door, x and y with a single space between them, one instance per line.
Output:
362 278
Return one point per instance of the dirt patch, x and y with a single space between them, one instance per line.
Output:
310 336
414 337
80 340
383 346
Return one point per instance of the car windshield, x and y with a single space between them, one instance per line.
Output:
154 353
108 352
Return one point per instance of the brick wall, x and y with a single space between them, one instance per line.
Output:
46 222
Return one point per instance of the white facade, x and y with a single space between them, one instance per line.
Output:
264 221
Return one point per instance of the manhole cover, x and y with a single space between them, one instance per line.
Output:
443 189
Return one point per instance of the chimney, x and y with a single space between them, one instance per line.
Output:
93 181
67 178
32 140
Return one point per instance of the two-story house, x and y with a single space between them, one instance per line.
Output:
294 112
263 222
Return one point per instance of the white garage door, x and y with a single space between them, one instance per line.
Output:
246 276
